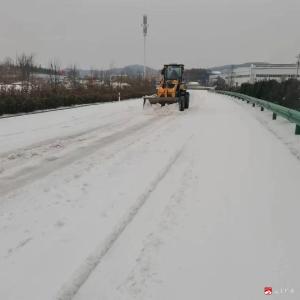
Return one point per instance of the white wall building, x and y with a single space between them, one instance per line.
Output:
259 72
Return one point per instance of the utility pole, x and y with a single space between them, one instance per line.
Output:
231 78
145 32
298 65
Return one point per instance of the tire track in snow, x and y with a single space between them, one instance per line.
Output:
30 174
20 157
70 289
68 137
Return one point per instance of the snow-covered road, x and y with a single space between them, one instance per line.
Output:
112 202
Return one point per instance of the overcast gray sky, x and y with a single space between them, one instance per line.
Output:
198 33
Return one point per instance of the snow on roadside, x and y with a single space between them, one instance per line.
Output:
281 128
125 203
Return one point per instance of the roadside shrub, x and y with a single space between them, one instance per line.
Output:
286 93
41 98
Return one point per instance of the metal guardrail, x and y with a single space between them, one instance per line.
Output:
198 87
290 114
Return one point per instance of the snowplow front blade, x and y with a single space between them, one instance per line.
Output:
161 100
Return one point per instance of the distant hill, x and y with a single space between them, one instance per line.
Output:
131 71
135 70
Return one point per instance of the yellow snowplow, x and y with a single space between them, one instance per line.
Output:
171 88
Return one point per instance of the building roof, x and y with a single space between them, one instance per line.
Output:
275 66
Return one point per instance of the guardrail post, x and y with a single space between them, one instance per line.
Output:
262 108
274 116
297 131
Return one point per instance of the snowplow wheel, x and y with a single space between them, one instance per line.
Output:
187 100
181 103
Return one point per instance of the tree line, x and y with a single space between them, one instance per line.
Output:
60 88
286 93
199 75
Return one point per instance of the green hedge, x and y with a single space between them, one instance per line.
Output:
285 93
13 102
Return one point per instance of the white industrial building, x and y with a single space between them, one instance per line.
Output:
253 73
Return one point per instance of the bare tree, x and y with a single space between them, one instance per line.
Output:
93 76
220 83
26 64
55 71
7 70
8 62
73 76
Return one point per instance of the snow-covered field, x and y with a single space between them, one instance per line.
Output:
112 202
